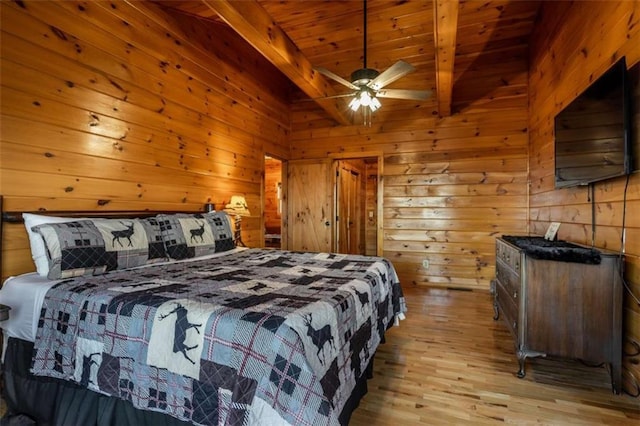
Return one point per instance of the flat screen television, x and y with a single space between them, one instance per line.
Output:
593 132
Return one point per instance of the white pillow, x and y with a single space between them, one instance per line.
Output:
38 251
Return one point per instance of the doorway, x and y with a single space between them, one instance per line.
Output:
356 206
349 218
273 202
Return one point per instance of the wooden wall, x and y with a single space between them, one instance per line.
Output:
118 106
574 43
451 185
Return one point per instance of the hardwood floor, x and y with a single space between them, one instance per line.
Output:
449 362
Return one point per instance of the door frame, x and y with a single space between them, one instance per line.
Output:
380 190
344 200
283 200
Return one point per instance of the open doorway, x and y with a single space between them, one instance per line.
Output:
356 196
273 202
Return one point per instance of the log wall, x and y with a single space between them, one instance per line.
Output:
573 44
118 106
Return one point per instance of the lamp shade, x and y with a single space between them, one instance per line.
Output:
238 206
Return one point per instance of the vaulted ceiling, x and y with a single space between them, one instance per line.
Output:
449 42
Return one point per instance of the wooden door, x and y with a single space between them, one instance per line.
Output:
349 207
310 205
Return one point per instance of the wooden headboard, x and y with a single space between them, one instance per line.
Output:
15 251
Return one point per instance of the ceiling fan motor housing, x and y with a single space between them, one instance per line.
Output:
363 76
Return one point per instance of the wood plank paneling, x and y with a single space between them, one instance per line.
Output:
450 184
121 106
566 55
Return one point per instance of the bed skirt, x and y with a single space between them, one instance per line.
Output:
55 402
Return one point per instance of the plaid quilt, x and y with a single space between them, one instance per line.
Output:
254 337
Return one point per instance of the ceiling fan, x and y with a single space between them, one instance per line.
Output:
368 84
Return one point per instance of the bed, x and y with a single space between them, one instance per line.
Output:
178 326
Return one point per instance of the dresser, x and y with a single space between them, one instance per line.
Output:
560 308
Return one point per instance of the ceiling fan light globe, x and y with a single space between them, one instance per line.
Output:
365 98
375 104
354 104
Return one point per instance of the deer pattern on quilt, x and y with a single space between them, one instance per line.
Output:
177 345
182 325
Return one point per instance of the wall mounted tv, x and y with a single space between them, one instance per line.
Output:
593 133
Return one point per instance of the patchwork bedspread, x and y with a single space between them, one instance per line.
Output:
254 337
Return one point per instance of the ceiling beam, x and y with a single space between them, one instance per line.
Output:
445 23
255 25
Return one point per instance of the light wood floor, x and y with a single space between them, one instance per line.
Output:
450 363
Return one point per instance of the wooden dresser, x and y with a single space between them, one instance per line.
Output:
563 309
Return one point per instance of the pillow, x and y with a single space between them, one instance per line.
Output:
38 250
157 252
194 235
94 246
222 233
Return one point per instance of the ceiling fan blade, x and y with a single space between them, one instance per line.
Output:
414 95
345 95
336 77
391 74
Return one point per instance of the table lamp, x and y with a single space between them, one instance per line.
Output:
238 208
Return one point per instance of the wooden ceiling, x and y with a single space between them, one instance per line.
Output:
445 40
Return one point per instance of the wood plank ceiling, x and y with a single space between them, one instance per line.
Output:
442 39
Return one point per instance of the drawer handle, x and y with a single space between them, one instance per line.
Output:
515 294
517 266
515 325
497 273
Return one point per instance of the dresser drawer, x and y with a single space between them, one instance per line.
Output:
509 255
508 307
509 279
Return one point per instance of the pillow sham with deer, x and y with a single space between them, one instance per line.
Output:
96 246
194 235
38 250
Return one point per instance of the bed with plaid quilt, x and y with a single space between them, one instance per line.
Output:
253 337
